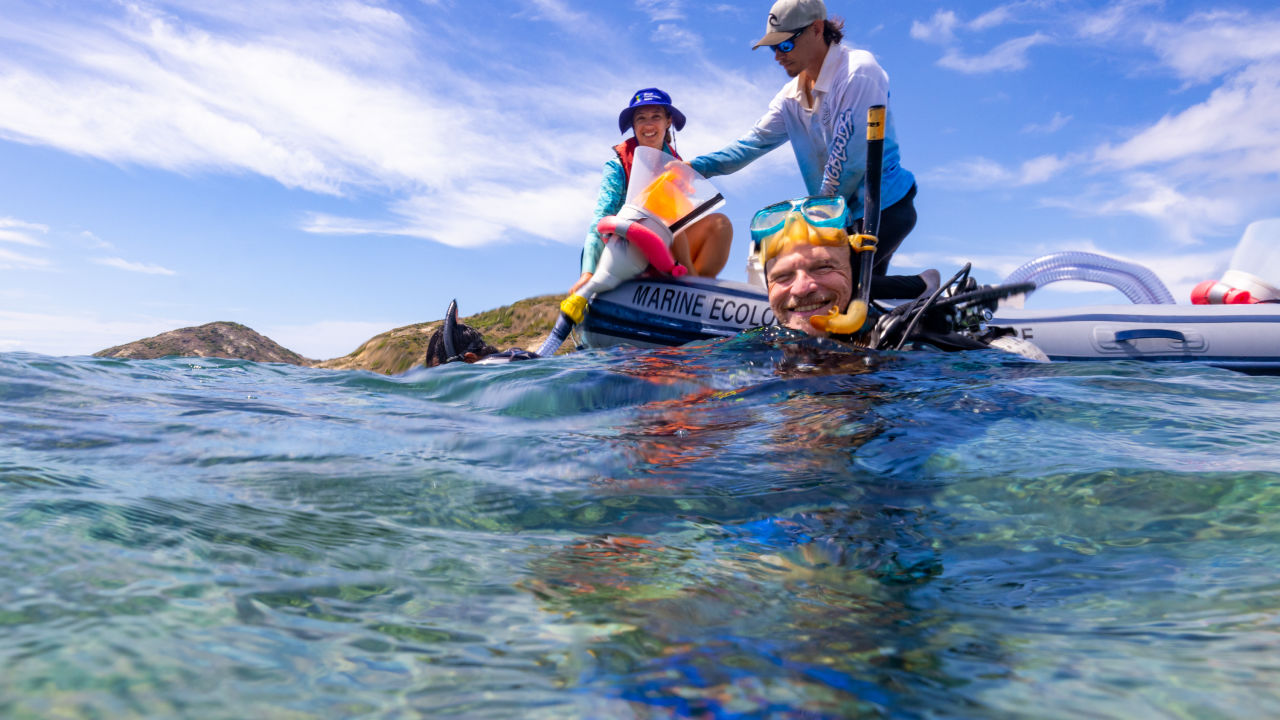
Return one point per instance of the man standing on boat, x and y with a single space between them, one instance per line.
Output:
823 113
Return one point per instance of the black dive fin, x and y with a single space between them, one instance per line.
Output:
449 329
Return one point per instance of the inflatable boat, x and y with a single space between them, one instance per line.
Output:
657 312
1232 323
1239 337
663 312
1230 327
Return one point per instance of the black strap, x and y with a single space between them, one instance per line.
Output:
678 225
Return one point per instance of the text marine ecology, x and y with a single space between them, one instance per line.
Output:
699 306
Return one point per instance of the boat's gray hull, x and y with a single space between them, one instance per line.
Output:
1241 337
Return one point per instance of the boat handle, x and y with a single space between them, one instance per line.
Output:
1150 333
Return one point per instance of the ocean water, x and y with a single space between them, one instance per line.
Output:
750 528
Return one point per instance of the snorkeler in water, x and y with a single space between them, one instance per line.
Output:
455 342
819 282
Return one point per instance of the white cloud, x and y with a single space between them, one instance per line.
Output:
1115 18
353 102
10 260
1007 56
1208 45
1185 215
165 95
1182 271
1150 197
288 97
1178 272
1056 123
153 91
1198 48
94 242
970 174
982 173
939 29
566 168
560 13
21 233
1041 169
1234 133
475 217
943 28
662 11
992 18
1214 164
1197 172
325 339
674 38
81 334
136 267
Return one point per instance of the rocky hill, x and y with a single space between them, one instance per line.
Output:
216 339
523 324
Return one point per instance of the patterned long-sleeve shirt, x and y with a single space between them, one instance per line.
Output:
829 138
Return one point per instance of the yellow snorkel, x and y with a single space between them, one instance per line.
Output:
852 319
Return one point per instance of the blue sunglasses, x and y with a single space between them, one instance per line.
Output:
818 211
789 44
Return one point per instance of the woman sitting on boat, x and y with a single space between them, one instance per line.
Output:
703 247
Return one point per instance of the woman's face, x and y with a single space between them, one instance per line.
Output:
650 124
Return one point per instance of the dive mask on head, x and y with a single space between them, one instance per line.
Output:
814 221
817 221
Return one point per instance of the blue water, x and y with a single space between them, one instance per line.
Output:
744 529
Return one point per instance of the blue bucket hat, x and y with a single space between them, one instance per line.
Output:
650 96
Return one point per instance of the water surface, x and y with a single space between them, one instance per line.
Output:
743 529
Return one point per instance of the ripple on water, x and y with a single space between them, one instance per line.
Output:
760 526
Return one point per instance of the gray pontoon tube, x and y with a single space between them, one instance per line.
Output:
1139 284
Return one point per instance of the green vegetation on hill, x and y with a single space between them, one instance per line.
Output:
215 339
524 324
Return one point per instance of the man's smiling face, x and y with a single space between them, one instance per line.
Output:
807 280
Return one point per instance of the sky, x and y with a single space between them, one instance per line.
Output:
327 170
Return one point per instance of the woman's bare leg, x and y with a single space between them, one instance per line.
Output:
704 246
